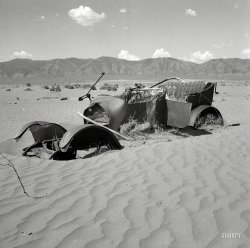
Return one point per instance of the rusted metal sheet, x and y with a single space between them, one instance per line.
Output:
178 113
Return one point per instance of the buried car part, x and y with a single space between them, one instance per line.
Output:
65 145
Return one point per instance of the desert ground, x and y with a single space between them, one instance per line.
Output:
175 189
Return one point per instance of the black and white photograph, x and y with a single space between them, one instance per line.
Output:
124 123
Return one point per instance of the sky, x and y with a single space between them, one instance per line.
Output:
192 30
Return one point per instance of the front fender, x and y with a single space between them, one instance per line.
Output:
115 109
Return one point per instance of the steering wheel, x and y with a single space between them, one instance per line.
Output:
81 98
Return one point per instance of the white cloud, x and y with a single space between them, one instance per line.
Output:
218 45
42 17
123 11
221 45
246 52
199 57
124 54
22 55
160 53
191 12
85 16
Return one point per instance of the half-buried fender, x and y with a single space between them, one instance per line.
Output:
88 136
42 130
202 111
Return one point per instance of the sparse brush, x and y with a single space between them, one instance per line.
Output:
85 86
46 87
55 88
133 128
28 84
109 87
209 119
28 89
69 86
127 127
76 86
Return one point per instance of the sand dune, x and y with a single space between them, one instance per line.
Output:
184 193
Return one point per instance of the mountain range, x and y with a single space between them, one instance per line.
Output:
77 70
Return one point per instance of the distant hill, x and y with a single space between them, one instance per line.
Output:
79 70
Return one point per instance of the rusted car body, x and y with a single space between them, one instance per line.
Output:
175 104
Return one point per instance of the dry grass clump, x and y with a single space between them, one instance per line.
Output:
143 96
46 87
87 86
109 87
55 88
209 120
69 86
180 90
77 86
134 128
28 89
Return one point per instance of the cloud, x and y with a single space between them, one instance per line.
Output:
124 54
199 57
160 53
221 45
42 17
22 55
85 16
246 52
218 45
191 12
123 11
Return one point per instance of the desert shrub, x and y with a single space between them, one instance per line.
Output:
109 87
28 84
46 87
69 86
87 87
56 88
28 89
8 89
76 86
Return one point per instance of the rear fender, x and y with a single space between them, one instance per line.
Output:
199 111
